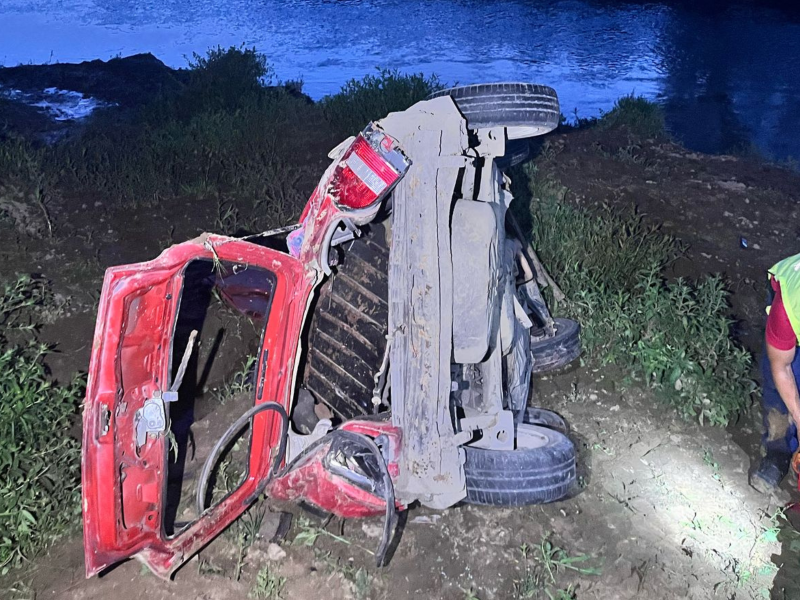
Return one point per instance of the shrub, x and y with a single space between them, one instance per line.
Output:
375 96
39 458
223 80
675 334
638 114
226 133
24 187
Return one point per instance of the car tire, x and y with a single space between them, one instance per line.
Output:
540 472
555 353
347 334
517 152
545 418
524 109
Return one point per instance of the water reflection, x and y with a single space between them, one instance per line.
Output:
725 72
736 84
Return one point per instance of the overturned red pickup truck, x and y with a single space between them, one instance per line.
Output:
396 327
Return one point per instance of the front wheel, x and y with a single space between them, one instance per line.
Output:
540 470
524 109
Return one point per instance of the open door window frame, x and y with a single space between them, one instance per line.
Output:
124 485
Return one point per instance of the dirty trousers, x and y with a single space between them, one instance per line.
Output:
780 433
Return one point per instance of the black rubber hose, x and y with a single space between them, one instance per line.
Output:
236 427
390 519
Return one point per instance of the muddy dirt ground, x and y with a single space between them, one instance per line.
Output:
663 508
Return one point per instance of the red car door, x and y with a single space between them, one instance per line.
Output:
126 415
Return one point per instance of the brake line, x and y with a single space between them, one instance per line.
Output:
390 517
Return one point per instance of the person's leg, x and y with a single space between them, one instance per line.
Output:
780 433
792 433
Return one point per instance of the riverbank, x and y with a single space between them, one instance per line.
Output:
703 61
664 509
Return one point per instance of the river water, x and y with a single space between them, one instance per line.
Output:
726 72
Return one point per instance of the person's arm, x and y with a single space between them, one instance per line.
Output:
780 362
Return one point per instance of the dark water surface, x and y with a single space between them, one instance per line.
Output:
726 72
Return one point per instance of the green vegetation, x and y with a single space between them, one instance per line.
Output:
268 585
229 132
542 565
25 188
245 531
675 334
361 101
240 382
360 579
39 455
308 534
641 116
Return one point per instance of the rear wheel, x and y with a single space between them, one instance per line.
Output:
555 353
540 470
524 109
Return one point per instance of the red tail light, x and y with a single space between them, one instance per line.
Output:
368 170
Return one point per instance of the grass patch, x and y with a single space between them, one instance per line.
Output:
308 534
375 96
202 146
675 334
542 566
39 458
268 585
226 132
25 188
239 383
360 578
640 115
228 129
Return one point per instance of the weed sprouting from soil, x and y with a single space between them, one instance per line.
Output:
25 188
308 534
531 583
244 532
20 590
567 593
471 594
556 559
640 115
239 383
675 334
542 565
359 577
39 466
268 585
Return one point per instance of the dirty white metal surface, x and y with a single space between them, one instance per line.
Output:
434 135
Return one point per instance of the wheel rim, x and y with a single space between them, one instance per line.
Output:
531 437
518 132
